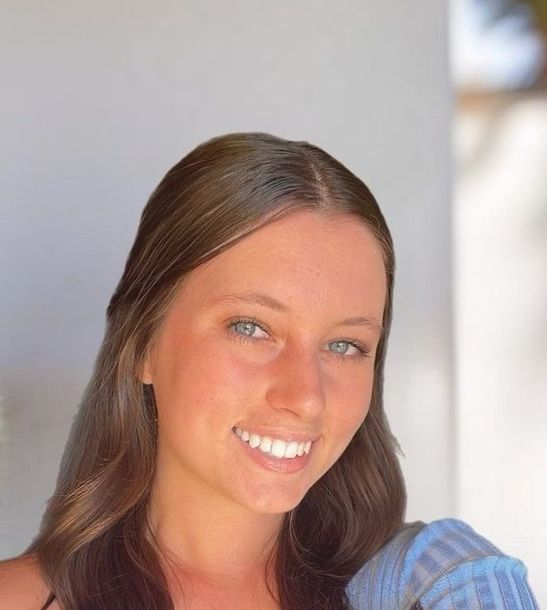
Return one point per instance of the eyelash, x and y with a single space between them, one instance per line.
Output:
362 350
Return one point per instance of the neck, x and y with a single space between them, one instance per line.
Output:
209 537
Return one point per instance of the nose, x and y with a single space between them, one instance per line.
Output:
297 383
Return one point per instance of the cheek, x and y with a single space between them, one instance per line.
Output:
345 417
352 408
209 381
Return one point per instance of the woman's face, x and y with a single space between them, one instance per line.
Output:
263 366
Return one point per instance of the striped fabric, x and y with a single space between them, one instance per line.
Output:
444 565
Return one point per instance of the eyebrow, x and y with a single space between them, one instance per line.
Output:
267 301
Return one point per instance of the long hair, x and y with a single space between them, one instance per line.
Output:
94 545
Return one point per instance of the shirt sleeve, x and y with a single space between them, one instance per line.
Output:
449 566
489 583
442 565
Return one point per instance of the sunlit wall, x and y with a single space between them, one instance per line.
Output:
500 278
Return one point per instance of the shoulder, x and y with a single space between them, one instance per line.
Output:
449 563
22 586
442 564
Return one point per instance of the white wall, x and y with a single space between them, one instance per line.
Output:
501 322
100 98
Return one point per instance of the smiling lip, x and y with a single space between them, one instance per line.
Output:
274 453
274 446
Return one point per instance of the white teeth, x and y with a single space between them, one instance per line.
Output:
276 447
291 450
266 444
254 440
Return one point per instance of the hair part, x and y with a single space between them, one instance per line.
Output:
94 545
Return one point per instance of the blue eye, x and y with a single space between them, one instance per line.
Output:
341 349
245 328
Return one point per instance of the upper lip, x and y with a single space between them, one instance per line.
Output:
281 434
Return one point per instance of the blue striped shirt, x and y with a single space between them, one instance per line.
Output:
444 565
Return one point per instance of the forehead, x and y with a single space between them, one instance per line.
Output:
305 259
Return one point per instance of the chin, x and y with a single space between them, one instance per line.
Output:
276 501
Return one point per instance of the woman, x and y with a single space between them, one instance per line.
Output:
231 449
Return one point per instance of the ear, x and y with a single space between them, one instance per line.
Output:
145 375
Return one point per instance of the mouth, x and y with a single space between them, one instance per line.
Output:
275 447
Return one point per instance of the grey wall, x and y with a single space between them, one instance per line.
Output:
100 98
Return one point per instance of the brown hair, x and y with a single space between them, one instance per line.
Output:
94 545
